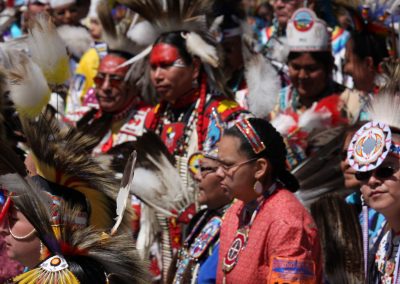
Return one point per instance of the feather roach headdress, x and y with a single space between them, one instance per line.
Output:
63 162
102 258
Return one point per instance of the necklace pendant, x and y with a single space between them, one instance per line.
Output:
237 246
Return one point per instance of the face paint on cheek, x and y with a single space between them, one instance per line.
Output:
166 55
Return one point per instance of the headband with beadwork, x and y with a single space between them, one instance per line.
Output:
370 146
251 135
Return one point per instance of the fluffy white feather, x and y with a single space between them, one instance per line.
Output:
77 39
312 120
263 83
142 33
385 108
283 123
197 46
28 86
162 190
48 50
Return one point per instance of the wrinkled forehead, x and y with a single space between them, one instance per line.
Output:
163 53
109 65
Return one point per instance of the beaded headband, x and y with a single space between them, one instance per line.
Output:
251 135
370 146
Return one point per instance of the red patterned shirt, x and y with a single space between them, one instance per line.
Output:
282 246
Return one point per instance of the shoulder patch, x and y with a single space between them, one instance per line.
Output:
291 270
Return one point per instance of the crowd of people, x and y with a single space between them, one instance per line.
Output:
199 141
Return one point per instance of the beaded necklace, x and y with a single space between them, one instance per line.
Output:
240 241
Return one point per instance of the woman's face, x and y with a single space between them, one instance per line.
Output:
210 191
22 243
169 74
361 70
308 76
237 172
383 194
350 180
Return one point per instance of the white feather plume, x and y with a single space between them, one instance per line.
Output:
29 89
48 50
385 108
283 123
198 47
148 229
123 194
77 39
142 33
161 190
263 83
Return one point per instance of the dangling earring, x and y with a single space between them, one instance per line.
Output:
258 187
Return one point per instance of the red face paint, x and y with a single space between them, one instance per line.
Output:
110 63
164 54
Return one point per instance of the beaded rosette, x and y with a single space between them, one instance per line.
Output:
369 146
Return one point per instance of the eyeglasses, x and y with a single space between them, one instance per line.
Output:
228 169
381 173
113 80
204 171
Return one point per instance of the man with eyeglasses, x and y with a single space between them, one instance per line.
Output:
118 116
374 152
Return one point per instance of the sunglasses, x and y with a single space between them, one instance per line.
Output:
113 80
381 173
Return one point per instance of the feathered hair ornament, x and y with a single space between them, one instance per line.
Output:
48 50
188 17
29 89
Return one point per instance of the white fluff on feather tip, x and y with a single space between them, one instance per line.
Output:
29 89
264 85
197 46
48 50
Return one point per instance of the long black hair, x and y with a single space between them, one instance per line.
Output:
366 44
275 150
